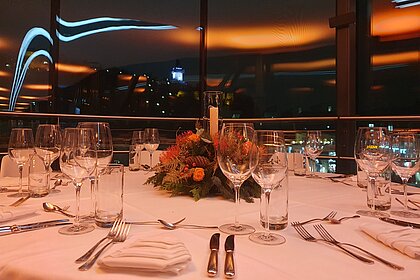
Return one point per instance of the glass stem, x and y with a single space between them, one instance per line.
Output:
20 167
236 187
372 186
404 181
92 196
77 216
151 157
267 193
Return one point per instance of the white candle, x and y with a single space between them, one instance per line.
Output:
214 120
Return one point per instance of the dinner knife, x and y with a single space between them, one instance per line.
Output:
400 223
6 230
229 263
213 259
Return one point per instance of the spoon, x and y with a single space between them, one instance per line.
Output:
338 221
174 225
49 207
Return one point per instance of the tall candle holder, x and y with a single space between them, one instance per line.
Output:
212 102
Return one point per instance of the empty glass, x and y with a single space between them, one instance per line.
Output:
313 148
405 163
48 144
152 141
269 172
78 162
136 147
20 150
237 156
373 155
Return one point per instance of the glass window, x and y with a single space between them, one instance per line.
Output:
272 58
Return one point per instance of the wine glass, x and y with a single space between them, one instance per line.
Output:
269 172
151 141
78 162
237 158
21 148
104 151
137 146
313 148
48 144
405 163
373 155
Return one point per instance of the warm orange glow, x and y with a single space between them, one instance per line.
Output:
304 66
302 90
394 58
39 98
396 22
3 89
214 82
4 74
4 43
330 82
259 37
377 87
37 87
124 77
74 68
139 90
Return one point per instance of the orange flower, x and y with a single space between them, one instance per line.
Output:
194 138
198 175
170 154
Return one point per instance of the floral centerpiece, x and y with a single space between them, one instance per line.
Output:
190 168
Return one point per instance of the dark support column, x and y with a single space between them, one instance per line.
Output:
54 51
203 52
344 22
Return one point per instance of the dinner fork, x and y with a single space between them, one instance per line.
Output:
111 234
326 218
328 237
20 200
120 236
308 237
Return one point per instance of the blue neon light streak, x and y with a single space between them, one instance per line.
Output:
108 29
20 72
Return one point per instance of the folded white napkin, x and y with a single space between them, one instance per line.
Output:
404 239
8 213
158 254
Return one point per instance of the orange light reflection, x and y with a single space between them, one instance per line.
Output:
139 90
38 87
304 66
396 22
5 74
394 58
74 68
3 89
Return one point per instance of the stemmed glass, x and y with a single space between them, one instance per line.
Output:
104 150
405 163
373 155
137 141
313 148
269 172
20 150
151 141
237 156
78 162
48 144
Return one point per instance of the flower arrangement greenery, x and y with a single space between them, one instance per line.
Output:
190 168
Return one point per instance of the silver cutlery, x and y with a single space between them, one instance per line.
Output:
121 235
20 200
326 218
111 234
408 206
229 261
308 237
189 226
6 230
414 203
213 263
400 222
327 236
155 222
49 207
338 221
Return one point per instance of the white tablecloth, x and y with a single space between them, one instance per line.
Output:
46 254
